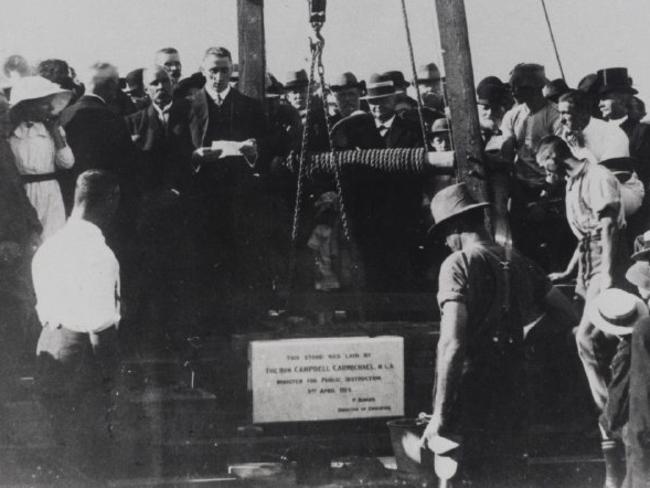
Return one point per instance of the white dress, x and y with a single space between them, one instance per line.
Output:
35 154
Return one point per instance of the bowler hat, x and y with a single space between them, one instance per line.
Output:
379 86
428 72
36 87
642 247
616 311
450 202
553 90
614 80
346 80
440 126
491 91
398 79
296 79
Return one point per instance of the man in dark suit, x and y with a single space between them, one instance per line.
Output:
164 172
227 131
97 135
396 210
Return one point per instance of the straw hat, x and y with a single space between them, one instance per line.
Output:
36 87
616 311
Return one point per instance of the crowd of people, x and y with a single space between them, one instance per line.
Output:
164 202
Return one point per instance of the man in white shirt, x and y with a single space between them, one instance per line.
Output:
598 141
77 284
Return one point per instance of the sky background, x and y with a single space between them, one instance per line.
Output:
362 36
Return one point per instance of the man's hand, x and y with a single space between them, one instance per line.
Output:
432 430
206 154
558 276
248 149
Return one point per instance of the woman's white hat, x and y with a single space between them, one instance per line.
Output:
36 87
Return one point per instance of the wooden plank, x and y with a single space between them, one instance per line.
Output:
252 57
454 41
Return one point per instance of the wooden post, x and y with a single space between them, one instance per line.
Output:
252 57
454 40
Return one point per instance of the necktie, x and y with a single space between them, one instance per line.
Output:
382 130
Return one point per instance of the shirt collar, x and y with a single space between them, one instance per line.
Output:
222 94
85 227
617 122
162 111
387 124
26 129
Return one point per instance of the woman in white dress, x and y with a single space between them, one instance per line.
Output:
39 146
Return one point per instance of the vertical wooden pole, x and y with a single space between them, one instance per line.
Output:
454 41
252 56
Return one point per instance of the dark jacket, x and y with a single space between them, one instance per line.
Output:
242 118
164 155
403 133
639 135
99 139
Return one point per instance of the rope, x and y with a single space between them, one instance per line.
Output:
414 72
333 154
389 161
550 31
303 153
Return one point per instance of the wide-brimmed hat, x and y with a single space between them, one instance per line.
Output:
554 89
36 87
346 80
614 80
639 274
450 202
397 78
616 311
379 86
642 247
428 72
296 79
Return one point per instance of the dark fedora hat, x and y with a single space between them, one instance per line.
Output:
346 80
133 80
398 79
451 202
614 80
428 72
642 247
379 86
554 89
296 79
